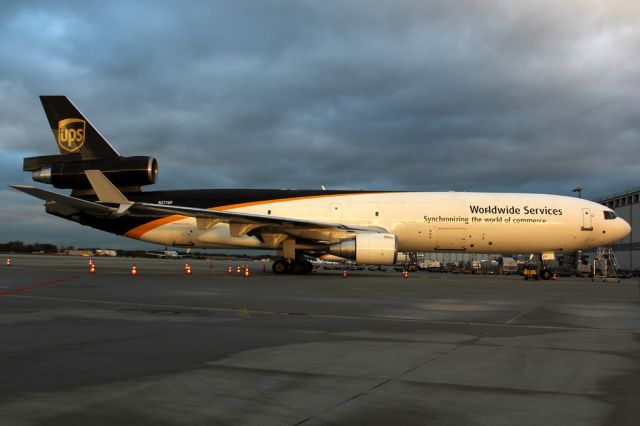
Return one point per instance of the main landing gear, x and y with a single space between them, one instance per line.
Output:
292 266
545 274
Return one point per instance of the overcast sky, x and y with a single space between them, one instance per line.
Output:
507 96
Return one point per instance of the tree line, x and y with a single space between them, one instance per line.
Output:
20 247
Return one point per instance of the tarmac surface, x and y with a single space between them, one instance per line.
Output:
164 348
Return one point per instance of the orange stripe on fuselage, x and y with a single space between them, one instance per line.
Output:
139 231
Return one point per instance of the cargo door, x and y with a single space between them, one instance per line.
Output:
587 224
335 212
182 234
451 239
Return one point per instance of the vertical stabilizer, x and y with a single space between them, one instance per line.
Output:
73 133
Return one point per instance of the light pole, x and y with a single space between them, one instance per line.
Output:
579 190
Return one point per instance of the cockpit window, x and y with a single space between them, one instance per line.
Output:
608 215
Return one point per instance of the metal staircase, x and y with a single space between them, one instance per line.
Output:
605 265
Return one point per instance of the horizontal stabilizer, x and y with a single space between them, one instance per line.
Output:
65 200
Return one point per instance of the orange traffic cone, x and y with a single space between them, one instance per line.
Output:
246 272
238 270
8 262
187 269
345 274
134 271
92 268
229 270
405 273
554 276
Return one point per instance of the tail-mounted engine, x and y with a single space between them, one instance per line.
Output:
63 172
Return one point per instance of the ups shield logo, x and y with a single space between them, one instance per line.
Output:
71 134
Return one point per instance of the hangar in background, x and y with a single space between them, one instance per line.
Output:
626 205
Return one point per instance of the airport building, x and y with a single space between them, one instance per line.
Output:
626 205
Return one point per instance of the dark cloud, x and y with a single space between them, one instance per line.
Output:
416 95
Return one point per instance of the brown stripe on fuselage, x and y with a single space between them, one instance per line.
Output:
139 231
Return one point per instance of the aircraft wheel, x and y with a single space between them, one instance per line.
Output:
280 267
308 267
298 267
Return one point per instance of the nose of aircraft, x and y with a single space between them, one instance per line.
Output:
622 229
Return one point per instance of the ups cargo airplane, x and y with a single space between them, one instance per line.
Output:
369 227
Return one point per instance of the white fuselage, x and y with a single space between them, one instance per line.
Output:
423 221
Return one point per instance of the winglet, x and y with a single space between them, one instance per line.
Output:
105 190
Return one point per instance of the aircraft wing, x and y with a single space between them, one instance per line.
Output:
118 205
245 218
242 222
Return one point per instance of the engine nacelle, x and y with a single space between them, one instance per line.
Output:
368 248
122 172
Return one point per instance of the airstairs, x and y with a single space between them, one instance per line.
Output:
605 266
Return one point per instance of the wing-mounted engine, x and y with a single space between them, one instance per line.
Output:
67 172
368 248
